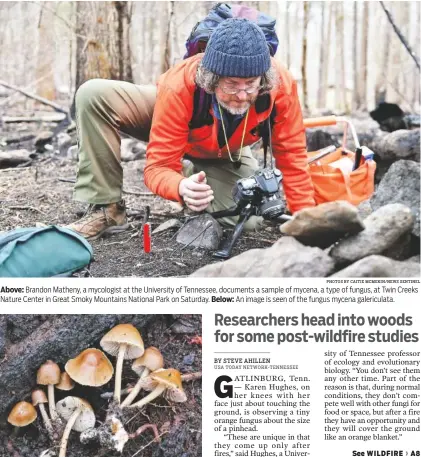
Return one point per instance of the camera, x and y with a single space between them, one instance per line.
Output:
261 191
257 195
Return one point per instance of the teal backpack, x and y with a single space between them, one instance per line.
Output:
43 252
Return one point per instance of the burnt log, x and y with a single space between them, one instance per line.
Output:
11 159
59 338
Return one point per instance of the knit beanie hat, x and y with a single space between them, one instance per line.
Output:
237 48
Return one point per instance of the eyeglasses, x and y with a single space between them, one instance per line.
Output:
232 90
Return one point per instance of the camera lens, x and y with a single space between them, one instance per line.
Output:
271 209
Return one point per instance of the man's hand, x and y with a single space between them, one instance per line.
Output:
195 192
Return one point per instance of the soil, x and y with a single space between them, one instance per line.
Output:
179 424
41 194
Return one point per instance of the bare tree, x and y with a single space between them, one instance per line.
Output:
321 90
340 89
400 35
104 52
363 64
306 11
44 73
166 45
287 39
355 98
328 40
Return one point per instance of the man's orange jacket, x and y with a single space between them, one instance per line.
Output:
171 138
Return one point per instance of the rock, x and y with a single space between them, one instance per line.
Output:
415 258
324 224
126 149
167 225
60 338
401 144
189 359
287 258
383 229
64 142
400 249
364 209
132 150
71 127
73 152
319 139
376 266
401 184
201 231
139 150
14 158
42 139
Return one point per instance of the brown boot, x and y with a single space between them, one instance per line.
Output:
101 220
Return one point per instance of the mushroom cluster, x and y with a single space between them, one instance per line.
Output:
93 368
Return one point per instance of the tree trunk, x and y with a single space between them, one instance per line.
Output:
382 58
105 52
166 26
321 92
363 67
287 41
416 103
354 63
44 70
328 40
340 89
306 6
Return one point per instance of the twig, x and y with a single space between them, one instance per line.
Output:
71 180
35 97
144 427
147 445
401 37
139 194
191 376
124 241
30 208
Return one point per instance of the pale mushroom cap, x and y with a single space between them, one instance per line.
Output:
38 396
123 334
151 359
22 414
169 377
90 368
69 405
176 394
66 382
48 373
148 383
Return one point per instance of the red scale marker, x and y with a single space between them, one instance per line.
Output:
147 238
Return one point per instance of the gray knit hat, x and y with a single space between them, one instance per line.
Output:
237 48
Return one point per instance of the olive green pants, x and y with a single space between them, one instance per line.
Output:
105 108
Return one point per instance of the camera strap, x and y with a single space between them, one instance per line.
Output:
237 163
267 138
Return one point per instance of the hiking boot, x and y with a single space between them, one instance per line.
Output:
101 220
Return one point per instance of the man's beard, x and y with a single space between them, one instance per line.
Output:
236 111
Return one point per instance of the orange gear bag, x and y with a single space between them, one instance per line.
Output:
331 168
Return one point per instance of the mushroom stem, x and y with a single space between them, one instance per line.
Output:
52 403
66 433
155 393
46 419
118 371
136 389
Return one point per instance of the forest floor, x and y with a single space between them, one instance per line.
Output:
42 194
178 424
